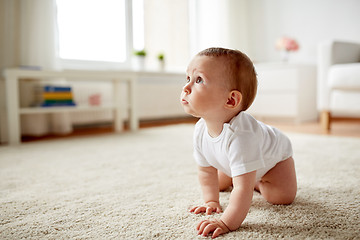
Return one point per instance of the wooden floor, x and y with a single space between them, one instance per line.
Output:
339 127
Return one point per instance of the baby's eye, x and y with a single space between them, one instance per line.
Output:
188 79
199 80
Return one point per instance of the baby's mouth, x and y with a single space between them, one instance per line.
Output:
183 101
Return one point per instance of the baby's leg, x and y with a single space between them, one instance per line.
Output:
224 181
279 186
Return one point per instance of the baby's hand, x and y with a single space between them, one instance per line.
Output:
210 207
214 226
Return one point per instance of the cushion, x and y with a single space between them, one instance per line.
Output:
345 103
345 76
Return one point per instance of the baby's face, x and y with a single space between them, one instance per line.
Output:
205 93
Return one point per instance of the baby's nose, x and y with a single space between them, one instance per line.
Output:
187 88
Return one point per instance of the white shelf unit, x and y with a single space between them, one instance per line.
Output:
285 90
130 77
13 109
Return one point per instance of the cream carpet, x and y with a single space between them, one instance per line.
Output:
140 185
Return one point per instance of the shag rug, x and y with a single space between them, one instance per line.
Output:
140 186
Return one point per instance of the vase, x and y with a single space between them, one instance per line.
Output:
138 63
285 56
161 66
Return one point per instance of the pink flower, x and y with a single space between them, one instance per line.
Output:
287 44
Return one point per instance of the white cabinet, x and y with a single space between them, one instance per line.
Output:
285 90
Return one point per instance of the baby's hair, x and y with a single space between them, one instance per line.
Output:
241 72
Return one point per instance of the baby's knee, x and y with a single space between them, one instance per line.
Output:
281 199
286 200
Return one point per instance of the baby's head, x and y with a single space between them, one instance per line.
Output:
239 72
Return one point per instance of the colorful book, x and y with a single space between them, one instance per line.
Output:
54 96
50 88
57 95
58 104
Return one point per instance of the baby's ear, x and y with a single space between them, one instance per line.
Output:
234 99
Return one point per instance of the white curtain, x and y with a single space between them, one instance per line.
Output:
39 48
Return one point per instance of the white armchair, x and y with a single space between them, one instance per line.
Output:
338 90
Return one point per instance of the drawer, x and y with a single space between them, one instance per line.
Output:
283 105
277 80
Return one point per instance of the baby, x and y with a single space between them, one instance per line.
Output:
231 148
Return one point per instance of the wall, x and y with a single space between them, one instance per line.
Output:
308 21
253 26
218 23
166 31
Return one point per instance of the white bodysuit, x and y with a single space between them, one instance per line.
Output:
244 145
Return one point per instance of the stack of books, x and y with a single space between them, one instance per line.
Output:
54 96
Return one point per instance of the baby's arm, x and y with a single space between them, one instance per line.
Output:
208 178
240 200
235 213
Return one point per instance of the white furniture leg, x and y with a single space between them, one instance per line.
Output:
12 106
133 115
118 119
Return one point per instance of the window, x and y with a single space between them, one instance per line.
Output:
102 34
98 33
